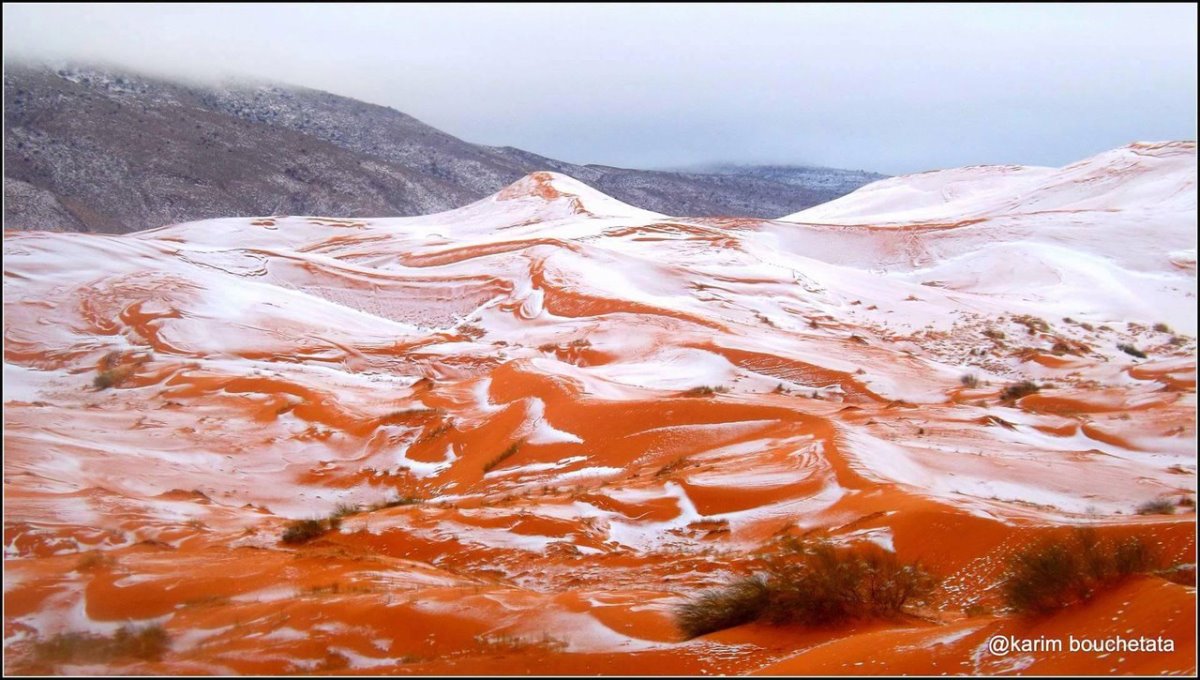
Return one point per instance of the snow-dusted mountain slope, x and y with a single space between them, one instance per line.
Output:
91 149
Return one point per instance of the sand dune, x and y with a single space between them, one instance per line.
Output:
573 414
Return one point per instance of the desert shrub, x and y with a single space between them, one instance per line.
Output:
1032 324
673 466
1158 506
112 377
822 584
969 380
1018 390
344 510
147 643
705 391
397 502
813 584
93 560
740 602
501 457
1131 351
1054 573
1162 327
304 530
993 334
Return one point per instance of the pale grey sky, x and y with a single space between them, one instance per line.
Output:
893 88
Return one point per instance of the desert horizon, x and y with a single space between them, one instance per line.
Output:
297 384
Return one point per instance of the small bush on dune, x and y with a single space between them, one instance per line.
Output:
706 391
1132 351
501 457
147 643
112 377
1160 506
397 502
740 602
814 584
1054 573
969 381
1018 390
304 530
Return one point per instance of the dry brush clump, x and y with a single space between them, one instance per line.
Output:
1054 573
1131 350
304 530
147 643
116 367
502 456
705 391
1018 390
811 583
1158 506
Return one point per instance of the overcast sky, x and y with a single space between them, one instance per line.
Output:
888 88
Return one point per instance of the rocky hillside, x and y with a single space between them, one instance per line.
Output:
94 150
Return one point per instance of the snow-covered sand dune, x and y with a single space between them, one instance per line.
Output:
559 413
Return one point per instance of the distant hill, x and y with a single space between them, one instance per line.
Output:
89 149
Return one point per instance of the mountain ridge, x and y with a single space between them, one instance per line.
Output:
97 149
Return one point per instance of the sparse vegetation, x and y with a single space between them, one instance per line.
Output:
993 334
304 530
1162 327
93 560
969 380
1032 324
112 377
503 456
1158 506
409 414
147 643
1018 390
1055 573
811 583
740 602
677 464
705 391
398 501
1131 350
